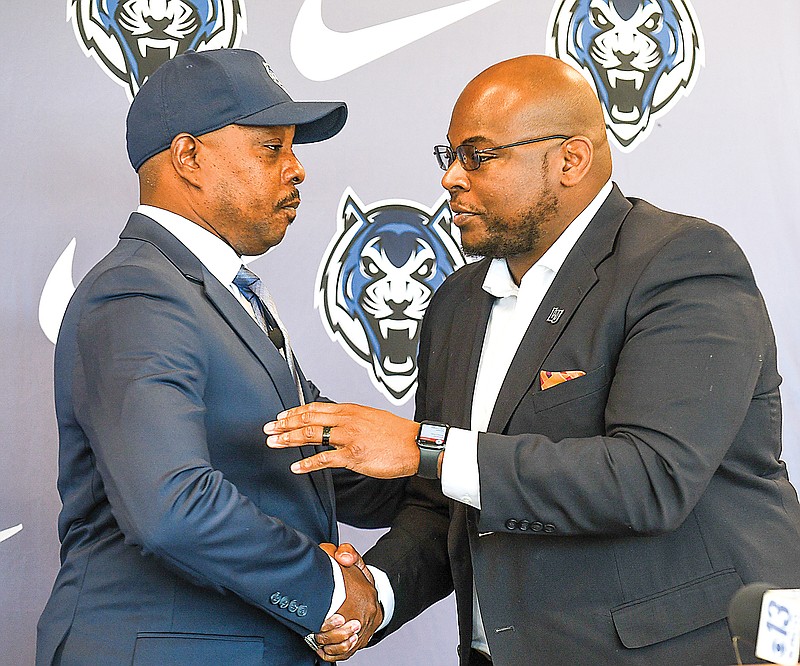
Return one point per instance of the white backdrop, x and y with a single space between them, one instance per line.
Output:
726 151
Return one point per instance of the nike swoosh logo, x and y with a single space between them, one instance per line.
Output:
11 531
322 54
57 290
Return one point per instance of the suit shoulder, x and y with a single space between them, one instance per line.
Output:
653 230
664 225
131 268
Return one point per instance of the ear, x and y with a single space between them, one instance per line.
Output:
184 151
578 152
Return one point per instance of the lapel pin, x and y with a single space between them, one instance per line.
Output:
555 315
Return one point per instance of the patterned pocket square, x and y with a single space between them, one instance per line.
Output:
550 379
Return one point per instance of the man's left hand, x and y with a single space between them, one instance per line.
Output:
369 441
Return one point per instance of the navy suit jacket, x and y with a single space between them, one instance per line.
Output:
185 540
621 510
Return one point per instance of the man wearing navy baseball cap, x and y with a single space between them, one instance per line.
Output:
184 539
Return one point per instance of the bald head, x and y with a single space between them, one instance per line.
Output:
542 157
544 94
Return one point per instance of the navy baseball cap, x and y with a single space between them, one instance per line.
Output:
199 92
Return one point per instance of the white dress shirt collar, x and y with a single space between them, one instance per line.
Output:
498 281
215 254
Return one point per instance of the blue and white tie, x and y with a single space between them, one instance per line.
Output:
266 314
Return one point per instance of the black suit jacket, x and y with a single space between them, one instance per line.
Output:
185 540
620 510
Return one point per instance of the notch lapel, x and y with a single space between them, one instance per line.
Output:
277 369
564 294
466 337
255 339
574 280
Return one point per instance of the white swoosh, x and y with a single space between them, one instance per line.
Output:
58 289
11 531
322 54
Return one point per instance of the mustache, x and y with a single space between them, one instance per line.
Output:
292 198
453 203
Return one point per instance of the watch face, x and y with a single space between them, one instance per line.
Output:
433 433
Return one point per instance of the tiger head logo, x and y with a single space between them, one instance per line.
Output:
376 280
641 56
129 39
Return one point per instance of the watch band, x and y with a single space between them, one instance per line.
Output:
431 440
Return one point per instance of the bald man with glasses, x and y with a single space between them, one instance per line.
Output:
597 438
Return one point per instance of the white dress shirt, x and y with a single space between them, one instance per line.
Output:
510 317
224 263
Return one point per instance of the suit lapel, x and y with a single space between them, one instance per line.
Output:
574 280
469 327
540 337
255 339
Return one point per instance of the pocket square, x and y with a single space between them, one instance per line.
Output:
550 379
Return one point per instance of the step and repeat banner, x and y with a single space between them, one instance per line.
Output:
701 99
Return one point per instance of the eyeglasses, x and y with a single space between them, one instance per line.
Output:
471 158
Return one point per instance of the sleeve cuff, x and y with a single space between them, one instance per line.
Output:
339 593
460 478
385 594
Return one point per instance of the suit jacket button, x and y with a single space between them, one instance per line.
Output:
302 611
523 524
537 526
275 598
549 527
293 606
284 602
511 524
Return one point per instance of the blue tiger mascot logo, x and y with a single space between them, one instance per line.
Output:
376 280
129 39
641 56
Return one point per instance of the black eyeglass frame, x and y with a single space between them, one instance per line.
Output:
451 154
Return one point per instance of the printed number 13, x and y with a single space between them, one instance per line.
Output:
779 614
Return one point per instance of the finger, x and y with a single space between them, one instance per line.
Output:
343 650
314 407
338 635
313 412
330 549
300 436
334 622
323 460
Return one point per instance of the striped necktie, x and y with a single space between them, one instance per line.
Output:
266 314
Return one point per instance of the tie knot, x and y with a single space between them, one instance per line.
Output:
245 278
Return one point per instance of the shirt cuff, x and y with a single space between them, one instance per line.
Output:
385 594
460 478
339 593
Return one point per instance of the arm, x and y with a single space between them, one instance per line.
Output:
693 333
142 381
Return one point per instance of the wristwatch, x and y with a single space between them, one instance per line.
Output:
431 440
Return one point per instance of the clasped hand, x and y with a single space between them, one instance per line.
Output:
340 637
369 441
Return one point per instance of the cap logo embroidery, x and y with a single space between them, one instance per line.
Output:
274 77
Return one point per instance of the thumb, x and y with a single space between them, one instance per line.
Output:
347 556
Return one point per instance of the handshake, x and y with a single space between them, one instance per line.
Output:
352 626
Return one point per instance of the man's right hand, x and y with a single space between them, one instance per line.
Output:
352 626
